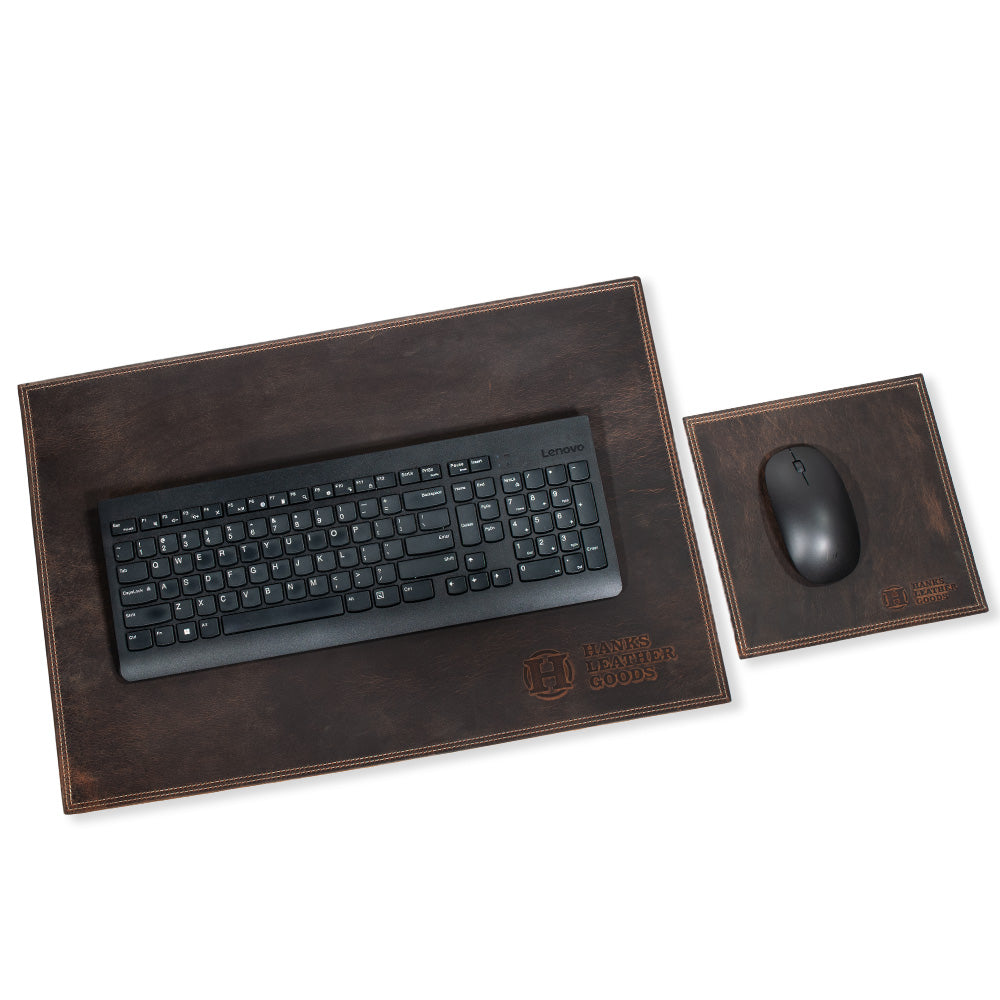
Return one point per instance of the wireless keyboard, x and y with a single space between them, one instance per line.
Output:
358 548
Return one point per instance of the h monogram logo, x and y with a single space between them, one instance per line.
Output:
895 597
548 674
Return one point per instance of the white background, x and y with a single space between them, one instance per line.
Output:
810 195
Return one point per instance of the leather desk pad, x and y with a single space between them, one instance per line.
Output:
586 350
916 564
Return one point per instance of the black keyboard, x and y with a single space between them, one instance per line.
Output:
358 548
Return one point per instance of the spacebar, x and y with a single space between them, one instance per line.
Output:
286 614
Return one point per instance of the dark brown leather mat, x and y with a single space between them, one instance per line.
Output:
586 350
916 564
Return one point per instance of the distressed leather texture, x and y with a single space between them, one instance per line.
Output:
578 351
916 563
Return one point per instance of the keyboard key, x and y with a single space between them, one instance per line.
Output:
153 615
468 524
169 589
573 563
228 601
524 549
481 464
145 548
190 514
457 585
145 593
159 568
422 499
538 501
429 472
569 541
125 527
391 504
475 560
365 484
459 468
183 609
211 510
501 577
516 505
387 597
511 483
555 475
541 523
294 544
586 505
561 497
168 544
408 477
485 488
362 578
164 635
540 569
295 590
385 480
343 488
347 512
369 508
534 479
422 590
124 551
150 523
340 582
322 492
250 597
205 606
406 524
170 519
133 573
256 503
565 519
409 569
489 510
358 601
139 639
520 527
462 492
579 471
287 614
479 581
431 520
420 545
300 495
393 549
208 628
545 545
493 532
593 548
187 632
236 507
318 586
385 574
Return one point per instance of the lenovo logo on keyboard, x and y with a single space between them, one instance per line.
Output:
568 450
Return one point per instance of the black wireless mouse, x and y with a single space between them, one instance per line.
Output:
814 513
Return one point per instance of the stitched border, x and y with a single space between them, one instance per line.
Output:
692 424
373 328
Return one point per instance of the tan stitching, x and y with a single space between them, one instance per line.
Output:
691 425
656 385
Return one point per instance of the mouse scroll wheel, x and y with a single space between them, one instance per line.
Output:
799 467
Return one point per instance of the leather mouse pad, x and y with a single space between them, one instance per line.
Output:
587 351
915 562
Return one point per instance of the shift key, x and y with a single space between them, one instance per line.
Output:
411 569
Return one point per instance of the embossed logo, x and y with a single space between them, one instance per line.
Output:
626 659
895 597
548 674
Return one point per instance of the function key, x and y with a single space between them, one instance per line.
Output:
257 503
430 472
579 471
323 492
125 527
236 507
343 488
277 499
480 464
460 468
534 479
385 480
364 484
190 514
211 510
170 519
149 523
511 483
298 496
556 475
409 476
